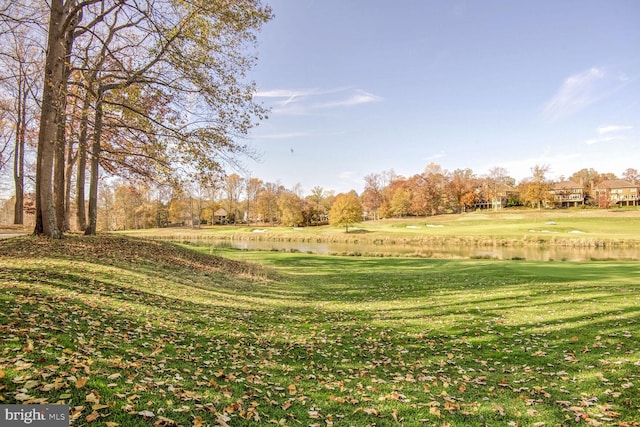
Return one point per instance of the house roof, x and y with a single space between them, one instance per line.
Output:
565 185
220 212
504 188
615 183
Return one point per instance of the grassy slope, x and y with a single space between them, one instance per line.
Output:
117 326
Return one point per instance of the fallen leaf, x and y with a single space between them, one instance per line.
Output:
164 422
221 420
99 406
146 414
92 417
292 389
92 398
33 383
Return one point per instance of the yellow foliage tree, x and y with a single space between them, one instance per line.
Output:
346 210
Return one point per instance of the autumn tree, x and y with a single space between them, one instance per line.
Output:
461 188
127 200
233 188
346 210
107 219
190 58
252 187
493 182
427 191
290 206
179 210
400 204
588 178
318 205
392 182
268 202
372 196
537 187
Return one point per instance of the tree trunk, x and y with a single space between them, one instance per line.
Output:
95 167
18 155
60 170
68 172
53 91
81 219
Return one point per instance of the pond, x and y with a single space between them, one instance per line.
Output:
530 253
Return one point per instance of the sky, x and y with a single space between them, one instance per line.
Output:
367 86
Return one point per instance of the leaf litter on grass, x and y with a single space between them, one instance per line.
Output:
179 338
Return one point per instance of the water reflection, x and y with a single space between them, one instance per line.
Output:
440 251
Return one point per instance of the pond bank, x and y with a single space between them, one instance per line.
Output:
534 240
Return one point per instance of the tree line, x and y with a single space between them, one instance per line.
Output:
153 90
437 191
250 200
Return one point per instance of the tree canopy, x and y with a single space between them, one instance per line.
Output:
346 210
155 88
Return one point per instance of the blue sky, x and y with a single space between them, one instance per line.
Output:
361 87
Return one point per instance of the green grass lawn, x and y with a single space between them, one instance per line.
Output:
129 332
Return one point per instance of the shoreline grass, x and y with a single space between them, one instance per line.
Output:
137 333
578 228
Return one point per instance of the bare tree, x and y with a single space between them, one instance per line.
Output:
233 187
20 71
253 187
631 175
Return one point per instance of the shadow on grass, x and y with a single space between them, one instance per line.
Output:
422 328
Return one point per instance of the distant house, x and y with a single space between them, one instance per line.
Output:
566 193
220 216
616 192
495 196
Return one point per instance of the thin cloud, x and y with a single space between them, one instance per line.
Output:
576 93
435 156
600 140
308 101
609 133
612 129
293 134
360 97
283 98
285 135
285 93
